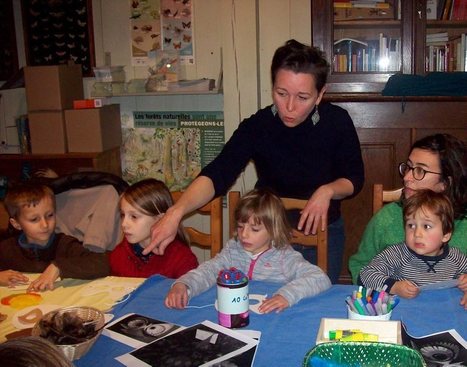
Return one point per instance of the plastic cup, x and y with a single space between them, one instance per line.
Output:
356 316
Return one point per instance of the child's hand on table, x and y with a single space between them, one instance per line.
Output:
46 279
276 303
177 296
405 288
462 282
463 287
464 300
11 278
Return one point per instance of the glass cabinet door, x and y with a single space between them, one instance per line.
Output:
365 42
367 38
445 31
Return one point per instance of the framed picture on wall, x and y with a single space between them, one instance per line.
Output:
59 31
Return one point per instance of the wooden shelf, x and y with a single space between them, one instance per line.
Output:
367 24
168 93
107 161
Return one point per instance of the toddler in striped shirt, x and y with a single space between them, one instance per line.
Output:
425 256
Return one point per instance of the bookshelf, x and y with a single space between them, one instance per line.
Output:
396 34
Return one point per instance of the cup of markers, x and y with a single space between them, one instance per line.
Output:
371 304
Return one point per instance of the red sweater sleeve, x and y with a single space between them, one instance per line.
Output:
179 259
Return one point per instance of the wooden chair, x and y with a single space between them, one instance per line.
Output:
207 240
380 196
318 240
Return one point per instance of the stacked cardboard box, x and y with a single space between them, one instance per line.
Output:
93 129
55 127
49 91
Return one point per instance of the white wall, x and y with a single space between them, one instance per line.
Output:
240 34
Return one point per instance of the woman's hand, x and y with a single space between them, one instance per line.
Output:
11 278
276 303
163 232
46 279
199 193
405 289
177 296
316 210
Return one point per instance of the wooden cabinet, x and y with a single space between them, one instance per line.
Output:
387 127
391 44
12 165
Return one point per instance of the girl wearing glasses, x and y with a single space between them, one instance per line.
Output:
436 162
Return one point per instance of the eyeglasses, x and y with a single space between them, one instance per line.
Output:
417 172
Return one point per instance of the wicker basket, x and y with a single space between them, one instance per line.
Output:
87 315
363 354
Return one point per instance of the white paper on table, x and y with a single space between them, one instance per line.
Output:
451 283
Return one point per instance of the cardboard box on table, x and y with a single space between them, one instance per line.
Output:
53 87
47 132
93 129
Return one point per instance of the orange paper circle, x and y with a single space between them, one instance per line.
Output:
22 300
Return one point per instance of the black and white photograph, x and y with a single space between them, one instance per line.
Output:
137 330
247 358
446 348
205 344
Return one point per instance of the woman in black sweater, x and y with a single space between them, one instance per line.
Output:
301 148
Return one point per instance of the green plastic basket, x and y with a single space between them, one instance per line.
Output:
363 354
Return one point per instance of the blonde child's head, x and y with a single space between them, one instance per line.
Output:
151 197
265 208
26 195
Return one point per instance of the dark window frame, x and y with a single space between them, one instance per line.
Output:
59 32
9 65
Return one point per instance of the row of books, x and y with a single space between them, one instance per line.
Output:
363 10
375 4
378 55
445 54
24 138
447 9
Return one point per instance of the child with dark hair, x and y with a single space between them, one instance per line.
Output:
142 205
425 257
38 249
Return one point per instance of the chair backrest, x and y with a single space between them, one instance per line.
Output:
208 240
318 240
380 196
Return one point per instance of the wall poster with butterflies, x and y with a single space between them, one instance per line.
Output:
59 31
161 25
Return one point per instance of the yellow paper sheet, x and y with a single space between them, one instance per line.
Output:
101 293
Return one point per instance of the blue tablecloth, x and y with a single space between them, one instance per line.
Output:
286 336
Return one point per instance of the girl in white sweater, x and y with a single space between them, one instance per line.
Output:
260 250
